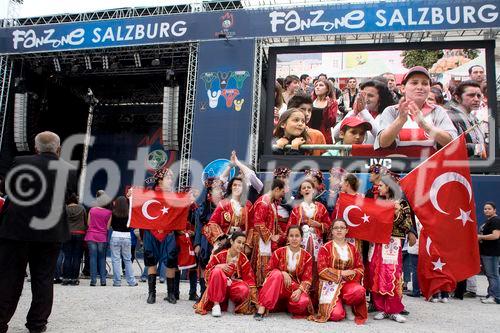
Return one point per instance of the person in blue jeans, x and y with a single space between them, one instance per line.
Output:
97 237
489 248
413 263
73 248
97 251
59 268
121 243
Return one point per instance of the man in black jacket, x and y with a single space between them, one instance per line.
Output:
32 227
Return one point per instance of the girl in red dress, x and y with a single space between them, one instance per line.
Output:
229 277
340 270
312 217
289 277
231 214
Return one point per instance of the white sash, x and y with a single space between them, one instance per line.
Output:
390 252
264 248
328 291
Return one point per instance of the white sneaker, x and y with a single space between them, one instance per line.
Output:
445 300
380 316
216 311
435 300
489 300
398 318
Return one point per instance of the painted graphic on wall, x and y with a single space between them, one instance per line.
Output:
228 85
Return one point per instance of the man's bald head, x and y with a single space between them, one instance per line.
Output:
47 142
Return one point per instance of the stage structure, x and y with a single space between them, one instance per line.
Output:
113 43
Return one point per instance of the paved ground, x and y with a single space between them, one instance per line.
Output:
124 309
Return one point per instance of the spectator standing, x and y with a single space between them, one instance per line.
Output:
292 84
477 73
73 249
391 85
489 248
97 237
32 233
121 242
468 96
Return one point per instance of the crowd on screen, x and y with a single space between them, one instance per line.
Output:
417 112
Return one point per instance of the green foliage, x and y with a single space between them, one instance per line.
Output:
425 58
471 53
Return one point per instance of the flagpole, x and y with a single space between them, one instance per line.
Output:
471 129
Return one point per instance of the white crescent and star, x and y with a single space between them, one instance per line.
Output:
438 264
145 207
446 178
365 217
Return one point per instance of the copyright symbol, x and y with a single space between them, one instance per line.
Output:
22 183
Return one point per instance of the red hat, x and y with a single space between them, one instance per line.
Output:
355 122
416 70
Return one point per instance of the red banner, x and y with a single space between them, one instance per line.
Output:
408 151
367 219
157 210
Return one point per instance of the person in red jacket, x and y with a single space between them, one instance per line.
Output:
267 235
340 270
229 277
231 214
288 280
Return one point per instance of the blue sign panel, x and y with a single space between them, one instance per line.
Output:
391 17
223 103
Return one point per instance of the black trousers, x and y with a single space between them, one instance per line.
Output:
14 257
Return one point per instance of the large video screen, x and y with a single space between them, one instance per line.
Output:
396 103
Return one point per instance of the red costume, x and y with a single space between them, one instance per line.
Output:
265 213
237 284
313 236
335 290
303 215
186 257
228 217
274 295
385 264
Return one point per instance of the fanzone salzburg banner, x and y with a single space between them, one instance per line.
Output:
157 210
223 103
244 23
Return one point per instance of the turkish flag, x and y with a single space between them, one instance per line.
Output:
158 210
367 219
433 275
440 192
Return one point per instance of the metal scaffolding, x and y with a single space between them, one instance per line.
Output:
257 86
187 134
5 76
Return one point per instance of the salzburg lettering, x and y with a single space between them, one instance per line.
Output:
292 21
29 39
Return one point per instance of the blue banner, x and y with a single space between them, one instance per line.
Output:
384 17
223 103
